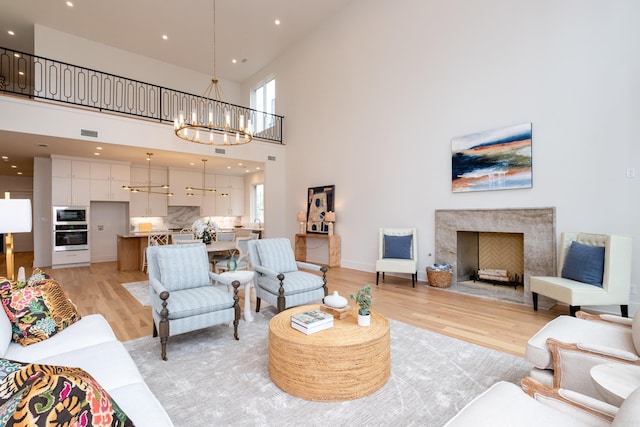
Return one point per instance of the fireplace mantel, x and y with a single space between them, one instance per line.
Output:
538 226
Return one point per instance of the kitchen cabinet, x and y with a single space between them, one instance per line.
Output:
179 180
70 182
143 203
229 195
209 198
107 180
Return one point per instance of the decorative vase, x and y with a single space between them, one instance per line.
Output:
364 320
232 264
206 238
335 300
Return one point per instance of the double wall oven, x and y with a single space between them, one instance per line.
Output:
70 228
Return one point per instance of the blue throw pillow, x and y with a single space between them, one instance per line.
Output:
584 263
397 246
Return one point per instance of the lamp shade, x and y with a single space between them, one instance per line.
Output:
301 217
330 217
15 215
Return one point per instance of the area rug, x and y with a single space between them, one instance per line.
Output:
139 290
212 379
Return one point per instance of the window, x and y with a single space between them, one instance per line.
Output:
263 98
257 202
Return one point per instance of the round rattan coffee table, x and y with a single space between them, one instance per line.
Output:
344 362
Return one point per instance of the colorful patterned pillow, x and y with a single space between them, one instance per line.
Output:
38 311
44 395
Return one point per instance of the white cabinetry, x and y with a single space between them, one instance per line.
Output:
107 180
70 258
209 198
70 182
143 203
179 180
229 195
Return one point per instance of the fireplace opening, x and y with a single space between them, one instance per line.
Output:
494 258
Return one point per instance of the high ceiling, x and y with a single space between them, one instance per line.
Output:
245 31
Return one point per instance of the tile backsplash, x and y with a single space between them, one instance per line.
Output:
181 217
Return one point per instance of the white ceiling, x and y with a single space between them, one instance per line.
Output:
245 29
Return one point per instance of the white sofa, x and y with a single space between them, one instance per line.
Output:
90 344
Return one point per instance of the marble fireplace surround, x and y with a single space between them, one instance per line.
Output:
538 226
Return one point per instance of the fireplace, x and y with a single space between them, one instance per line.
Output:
490 257
463 230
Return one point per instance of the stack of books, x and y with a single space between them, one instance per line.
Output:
310 322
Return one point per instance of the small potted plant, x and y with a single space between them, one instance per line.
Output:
363 299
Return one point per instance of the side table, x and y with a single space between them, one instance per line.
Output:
615 381
344 362
245 277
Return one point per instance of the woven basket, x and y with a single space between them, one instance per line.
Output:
439 279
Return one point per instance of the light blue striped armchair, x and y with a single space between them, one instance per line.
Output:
278 280
182 296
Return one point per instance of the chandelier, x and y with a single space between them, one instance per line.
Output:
149 189
212 121
204 188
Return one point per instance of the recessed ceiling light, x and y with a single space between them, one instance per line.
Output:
19 173
5 158
240 164
277 22
98 148
165 37
235 61
14 167
21 73
11 33
96 154
228 167
258 168
69 4
191 163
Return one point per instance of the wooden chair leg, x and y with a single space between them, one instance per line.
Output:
624 310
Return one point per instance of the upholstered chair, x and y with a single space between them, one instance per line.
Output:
505 405
565 349
593 269
397 252
279 280
182 296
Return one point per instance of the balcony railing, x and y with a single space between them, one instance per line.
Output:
41 78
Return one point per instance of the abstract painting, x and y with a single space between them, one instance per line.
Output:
498 159
319 202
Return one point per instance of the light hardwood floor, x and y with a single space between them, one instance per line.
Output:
495 324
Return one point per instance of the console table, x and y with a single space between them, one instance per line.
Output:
333 243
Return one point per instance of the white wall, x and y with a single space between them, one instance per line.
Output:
373 98
74 50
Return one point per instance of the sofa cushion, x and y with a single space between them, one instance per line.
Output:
46 395
276 255
38 311
584 263
139 403
397 246
629 412
183 266
91 330
195 301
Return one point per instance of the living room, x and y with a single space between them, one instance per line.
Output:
373 96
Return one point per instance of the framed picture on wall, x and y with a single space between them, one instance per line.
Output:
498 159
319 202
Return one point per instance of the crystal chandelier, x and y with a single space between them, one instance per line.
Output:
211 119
149 189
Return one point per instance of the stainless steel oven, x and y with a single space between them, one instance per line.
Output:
70 228
70 215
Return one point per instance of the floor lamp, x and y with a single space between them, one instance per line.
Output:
15 217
